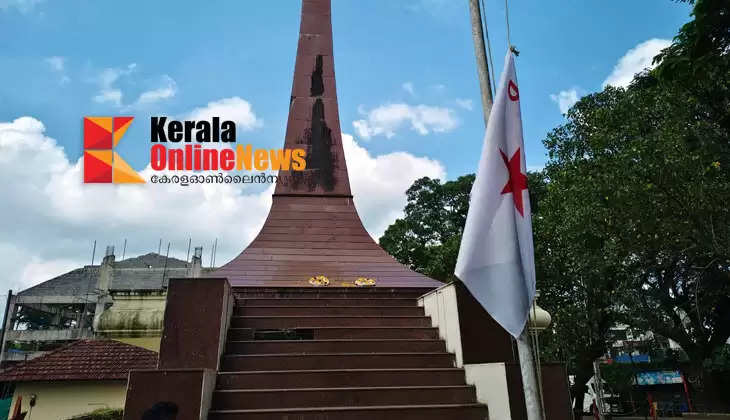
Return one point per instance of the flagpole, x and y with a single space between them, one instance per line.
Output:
529 380
477 33
527 362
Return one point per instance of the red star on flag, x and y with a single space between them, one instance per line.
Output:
517 181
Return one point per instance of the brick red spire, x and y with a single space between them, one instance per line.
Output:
314 121
313 227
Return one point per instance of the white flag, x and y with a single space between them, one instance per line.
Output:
496 259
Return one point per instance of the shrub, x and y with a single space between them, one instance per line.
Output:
101 414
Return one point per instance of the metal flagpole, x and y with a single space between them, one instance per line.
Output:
527 362
477 33
529 380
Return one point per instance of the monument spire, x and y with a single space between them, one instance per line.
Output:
314 122
313 227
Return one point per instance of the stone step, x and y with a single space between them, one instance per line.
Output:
322 333
326 301
339 377
396 412
334 346
329 292
258 362
244 310
314 321
341 397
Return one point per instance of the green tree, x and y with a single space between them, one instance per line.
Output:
656 156
625 167
576 285
427 239
640 175
101 414
697 67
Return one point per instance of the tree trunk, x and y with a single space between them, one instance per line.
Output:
579 389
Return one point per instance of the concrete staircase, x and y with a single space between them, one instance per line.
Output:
337 353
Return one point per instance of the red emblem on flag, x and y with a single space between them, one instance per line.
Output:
513 92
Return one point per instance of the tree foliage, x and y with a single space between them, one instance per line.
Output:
631 217
427 239
101 414
661 200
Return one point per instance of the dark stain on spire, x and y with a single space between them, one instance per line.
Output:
320 157
321 162
317 87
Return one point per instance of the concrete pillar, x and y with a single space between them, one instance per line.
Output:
196 265
56 319
106 275
9 324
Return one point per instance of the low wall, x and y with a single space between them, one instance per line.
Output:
64 399
488 356
189 391
197 315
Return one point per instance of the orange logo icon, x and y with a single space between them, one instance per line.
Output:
102 165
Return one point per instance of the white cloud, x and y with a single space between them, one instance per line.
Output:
467 104
108 76
55 217
109 95
52 218
106 81
566 99
634 61
235 109
379 183
24 6
56 63
387 119
155 95
36 268
408 87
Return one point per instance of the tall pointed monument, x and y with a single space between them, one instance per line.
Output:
256 341
313 227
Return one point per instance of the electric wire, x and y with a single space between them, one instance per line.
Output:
506 17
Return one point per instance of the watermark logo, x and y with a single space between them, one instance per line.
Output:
102 164
184 152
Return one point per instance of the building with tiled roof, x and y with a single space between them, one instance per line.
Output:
77 378
83 360
115 299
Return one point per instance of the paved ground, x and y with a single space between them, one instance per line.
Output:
693 417
642 418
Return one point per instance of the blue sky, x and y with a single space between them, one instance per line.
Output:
407 86
222 49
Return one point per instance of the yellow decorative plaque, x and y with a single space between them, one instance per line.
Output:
364 282
319 281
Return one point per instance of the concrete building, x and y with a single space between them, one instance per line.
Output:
123 300
75 379
627 344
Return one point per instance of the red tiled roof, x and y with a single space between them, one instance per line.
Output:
83 360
